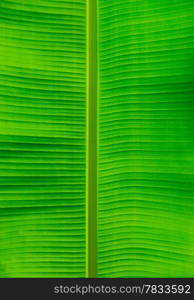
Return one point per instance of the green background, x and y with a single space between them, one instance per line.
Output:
145 138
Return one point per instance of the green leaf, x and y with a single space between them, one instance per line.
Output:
42 138
96 138
146 141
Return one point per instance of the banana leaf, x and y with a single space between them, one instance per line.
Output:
96 138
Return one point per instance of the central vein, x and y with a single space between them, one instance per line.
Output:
91 200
